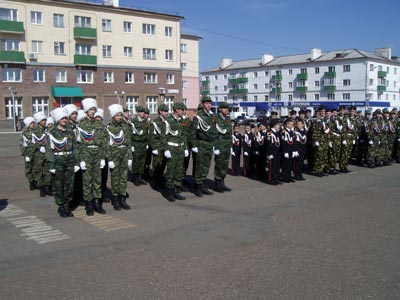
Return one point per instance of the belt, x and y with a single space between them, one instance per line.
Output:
336 134
176 144
93 146
121 146
63 153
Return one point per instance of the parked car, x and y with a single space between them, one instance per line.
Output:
252 118
240 120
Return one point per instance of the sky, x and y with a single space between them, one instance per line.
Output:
246 29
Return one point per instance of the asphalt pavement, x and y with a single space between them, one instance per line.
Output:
336 237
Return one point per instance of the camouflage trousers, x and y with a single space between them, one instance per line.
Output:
158 165
120 156
40 170
174 172
222 160
334 152
389 150
29 174
203 160
139 158
345 151
320 157
91 177
63 180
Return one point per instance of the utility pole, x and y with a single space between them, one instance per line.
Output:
13 92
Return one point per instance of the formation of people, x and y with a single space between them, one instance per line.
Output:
70 153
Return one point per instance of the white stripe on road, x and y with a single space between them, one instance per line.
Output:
103 222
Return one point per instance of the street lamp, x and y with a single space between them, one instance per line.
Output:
119 95
13 92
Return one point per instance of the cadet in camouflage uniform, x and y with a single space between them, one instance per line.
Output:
91 143
363 129
390 136
319 135
119 155
205 132
187 124
223 145
380 153
99 116
156 141
348 139
374 139
62 160
149 151
334 141
139 127
27 149
175 145
39 139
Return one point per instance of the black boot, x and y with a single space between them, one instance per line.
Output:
123 203
135 179
177 195
98 206
42 191
170 195
67 211
48 190
224 187
141 181
218 187
89 208
61 211
205 189
198 190
115 202
32 186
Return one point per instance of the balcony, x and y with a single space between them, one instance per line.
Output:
205 82
238 91
85 33
382 74
277 77
302 89
330 74
238 80
12 57
85 60
381 88
277 90
12 27
302 76
205 92
330 88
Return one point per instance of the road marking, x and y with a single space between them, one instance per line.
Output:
103 222
33 228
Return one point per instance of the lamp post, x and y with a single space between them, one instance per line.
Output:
13 93
119 95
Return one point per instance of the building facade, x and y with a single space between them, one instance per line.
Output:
57 52
346 77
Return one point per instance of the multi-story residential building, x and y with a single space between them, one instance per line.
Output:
345 77
57 52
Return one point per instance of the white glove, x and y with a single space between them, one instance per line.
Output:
257 153
354 142
295 154
102 163
327 130
286 155
155 152
398 140
233 153
167 154
344 142
130 164
330 145
132 149
147 147
111 165
186 153
83 165
42 149
27 159
76 169
340 127
195 150
270 157
246 154
52 171
316 144
371 142
216 151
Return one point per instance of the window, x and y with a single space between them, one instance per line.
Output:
290 85
346 82
255 98
83 49
59 48
255 86
379 68
266 86
151 102
331 96
216 77
150 78
316 83
346 68
7 14
84 76
128 52
149 29
108 77
303 71
266 73
168 31
169 101
106 50
290 72
394 84
303 97
149 54
278 98
37 46
132 102
346 96
106 25
290 97
40 104
183 48
316 96
58 20
395 71
331 69
38 75
329 81
225 99
184 84
61 76
216 88
225 88
169 55
387 97
255 74
183 66
80 21
387 70
129 77
9 45
316 70
127 27
371 82
371 67
266 98
11 75
36 18
225 76
394 97
10 107
170 78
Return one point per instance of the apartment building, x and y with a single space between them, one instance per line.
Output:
57 52
344 77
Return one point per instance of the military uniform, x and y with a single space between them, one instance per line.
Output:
236 153
287 146
300 146
27 149
320 143
390 138
273 148
348 141
334 143
248 153
374 141
261 153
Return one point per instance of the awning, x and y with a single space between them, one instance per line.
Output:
257 105
216 104
66 91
